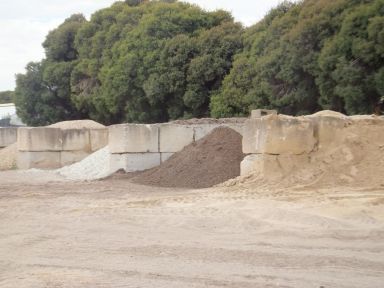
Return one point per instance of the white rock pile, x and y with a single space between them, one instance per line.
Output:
95 166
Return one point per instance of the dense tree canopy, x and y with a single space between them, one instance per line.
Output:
317 54
43 94
153 61
7 97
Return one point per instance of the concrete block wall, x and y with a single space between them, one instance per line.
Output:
278 144
8 136
48 147
137 147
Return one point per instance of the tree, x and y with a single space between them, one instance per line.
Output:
323 54
144 63
43 94
7 97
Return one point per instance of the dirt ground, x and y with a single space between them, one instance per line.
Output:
113 233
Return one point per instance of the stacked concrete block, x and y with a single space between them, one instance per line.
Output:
8 136
47 147
274 141
76 140
277 134
133 138
98 138
70 157
40 160
174 137
272 166
132 162
39 139
134 147
165 156
328 130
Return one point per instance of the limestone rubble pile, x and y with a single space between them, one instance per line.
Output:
93 167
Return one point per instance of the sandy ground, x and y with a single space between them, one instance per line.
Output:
113 233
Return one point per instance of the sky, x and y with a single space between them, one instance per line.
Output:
25 23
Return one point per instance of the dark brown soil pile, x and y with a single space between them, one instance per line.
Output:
211 160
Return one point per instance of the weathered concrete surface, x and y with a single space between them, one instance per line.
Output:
278 134
76 140
328 130
41 160
8 136
272 166
98 138
260 164
39 139
174 137
132 162
133 138
165 156
117 162
70 157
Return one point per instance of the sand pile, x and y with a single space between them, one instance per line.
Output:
77 124
8 157
209 161
95 166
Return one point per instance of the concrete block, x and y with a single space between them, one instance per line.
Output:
8 136
174 137
41 160
278 134
329 130
260 164
202 130
39 139
273 166
117 162
258 113
99 138
133 138
70 157
132 162
165 156
76 140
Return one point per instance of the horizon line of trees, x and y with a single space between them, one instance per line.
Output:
154 61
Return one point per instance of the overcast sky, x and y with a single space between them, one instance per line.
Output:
25 23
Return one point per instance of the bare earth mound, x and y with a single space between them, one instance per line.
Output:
207 162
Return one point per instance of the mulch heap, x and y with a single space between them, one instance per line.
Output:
211 160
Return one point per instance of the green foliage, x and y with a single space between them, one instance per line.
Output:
323 54
7 97
59 44
154 61
43 94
